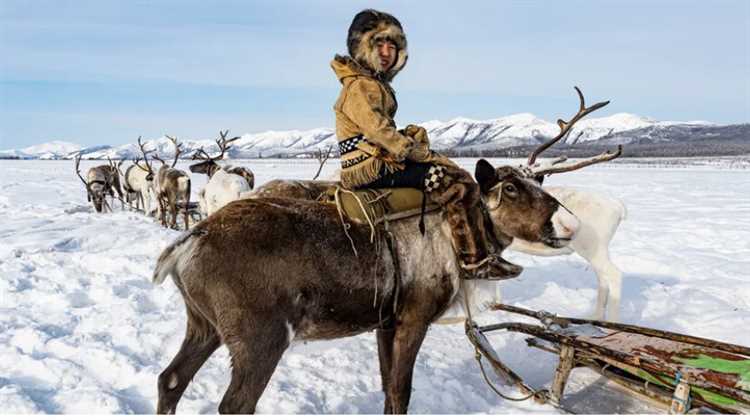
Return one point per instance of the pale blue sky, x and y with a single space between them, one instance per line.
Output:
105 72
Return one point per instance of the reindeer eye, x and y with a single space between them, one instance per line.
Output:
510 189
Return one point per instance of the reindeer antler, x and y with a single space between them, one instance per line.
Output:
78 172
557 166
156 156
115 167
177 150
78 168
566 126
145 153
223 143
201 154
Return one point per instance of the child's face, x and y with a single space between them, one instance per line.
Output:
387 52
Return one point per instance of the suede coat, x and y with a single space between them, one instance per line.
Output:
368 138
366 106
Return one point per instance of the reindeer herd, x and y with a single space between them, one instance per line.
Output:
271 266
164 191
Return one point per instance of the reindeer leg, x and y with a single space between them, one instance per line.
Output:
201 340
256 346
173 210
407 340
609 279
608 274
385 355
187 215
112 206
162 210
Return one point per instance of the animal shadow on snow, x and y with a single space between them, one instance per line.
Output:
568 287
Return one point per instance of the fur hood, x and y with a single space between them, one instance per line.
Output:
368 27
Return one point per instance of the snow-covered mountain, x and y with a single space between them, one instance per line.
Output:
457 134
51 150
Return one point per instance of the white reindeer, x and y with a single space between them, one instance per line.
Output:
599 217
136 183
225 184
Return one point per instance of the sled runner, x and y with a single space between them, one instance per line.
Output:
679 373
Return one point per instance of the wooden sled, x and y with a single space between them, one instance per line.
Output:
679 373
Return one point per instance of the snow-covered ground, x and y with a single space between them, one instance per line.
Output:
82 330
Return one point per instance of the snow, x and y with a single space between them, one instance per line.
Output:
82 329
591 129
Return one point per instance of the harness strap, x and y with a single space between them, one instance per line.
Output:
422 212
396 268
346 226
489 227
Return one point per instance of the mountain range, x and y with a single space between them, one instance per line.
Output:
457 135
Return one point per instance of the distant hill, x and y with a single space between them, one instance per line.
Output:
461 136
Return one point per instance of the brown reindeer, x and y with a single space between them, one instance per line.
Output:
100 181
599 216
171 186
261 273
167 185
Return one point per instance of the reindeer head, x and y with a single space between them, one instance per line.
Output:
98 194
518 207
208 165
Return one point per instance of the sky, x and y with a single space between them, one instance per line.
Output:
106 71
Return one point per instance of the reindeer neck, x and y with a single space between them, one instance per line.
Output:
215 167
428 254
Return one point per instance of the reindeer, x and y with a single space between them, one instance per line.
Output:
136 185
167 186
100 181
262 273
599 216
225 184
170 186
138 179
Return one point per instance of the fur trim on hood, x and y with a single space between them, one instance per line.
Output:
368 27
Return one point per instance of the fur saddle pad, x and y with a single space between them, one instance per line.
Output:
373 206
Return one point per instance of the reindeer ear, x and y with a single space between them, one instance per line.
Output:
485 175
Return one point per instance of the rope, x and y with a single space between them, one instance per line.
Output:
478 357
396 268
361 206
345 225
503 396
367 215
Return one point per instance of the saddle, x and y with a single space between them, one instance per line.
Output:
375 206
